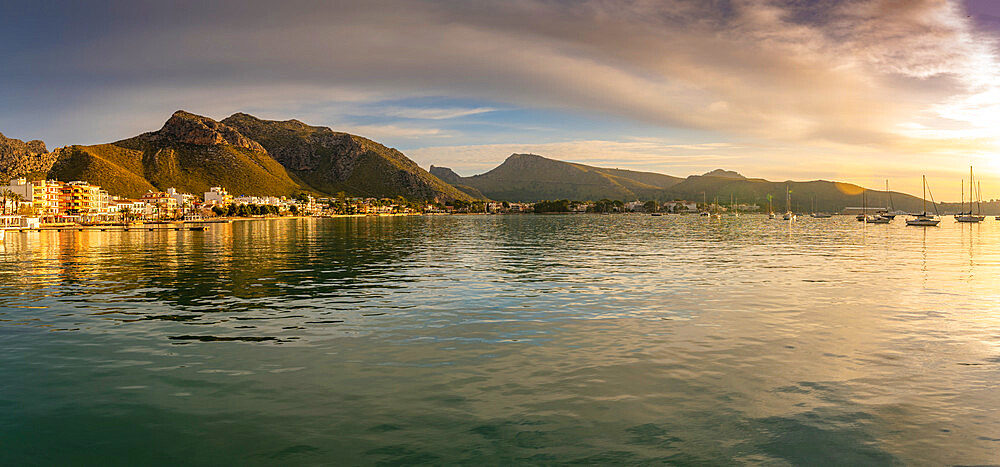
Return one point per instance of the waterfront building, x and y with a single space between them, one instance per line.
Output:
160 205
46 195
217 196
80 201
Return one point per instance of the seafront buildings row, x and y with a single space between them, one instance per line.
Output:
30 203
52 201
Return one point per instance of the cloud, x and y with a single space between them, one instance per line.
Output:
434 113
844 71
899 76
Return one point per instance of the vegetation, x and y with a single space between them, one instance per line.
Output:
245 210
531 178
10 201
552 206
608 205
329 161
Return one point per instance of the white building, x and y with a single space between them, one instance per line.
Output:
217 196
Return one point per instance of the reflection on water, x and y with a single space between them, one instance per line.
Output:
503 339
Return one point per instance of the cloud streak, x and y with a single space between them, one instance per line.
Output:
901 76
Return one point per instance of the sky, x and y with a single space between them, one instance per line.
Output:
856 90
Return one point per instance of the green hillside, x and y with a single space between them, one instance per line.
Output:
190 153
530 178
828 196
332 161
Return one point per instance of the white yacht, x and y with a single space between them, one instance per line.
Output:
889 210
925 219
789 215
969 217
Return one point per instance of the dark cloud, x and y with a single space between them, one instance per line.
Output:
846 72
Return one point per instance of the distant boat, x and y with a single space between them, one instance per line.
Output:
770 209
889 211
656 214
925 219
864 207
969 217
818 215
789 215
877 220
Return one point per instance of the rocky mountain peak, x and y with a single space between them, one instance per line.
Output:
18 158
724 174
186 127
445 174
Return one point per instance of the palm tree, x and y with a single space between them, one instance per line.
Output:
126 213
10 201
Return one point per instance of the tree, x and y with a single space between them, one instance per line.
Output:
6 194
218 210
125 212
552 206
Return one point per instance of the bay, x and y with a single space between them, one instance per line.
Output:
544 339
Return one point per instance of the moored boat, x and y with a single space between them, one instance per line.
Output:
925 219
969 217
789 215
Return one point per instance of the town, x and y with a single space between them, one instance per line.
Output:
33 204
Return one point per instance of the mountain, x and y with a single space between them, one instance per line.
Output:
828 196
19 158
530 178
455 180
723 174
244 154
190 153
330 161
527 177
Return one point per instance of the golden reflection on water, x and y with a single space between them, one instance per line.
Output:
741 338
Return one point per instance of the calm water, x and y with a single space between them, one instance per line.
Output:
504 339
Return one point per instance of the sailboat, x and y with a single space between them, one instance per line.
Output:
704 202
969 216
789 215
818 215
873 219
715 209
925 219
732 205
890 210
770 209
864 206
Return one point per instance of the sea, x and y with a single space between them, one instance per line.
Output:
503 340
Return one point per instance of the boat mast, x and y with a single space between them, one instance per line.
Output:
979 198
925 194
889 194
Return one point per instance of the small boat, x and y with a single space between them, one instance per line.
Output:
877 220
789 215
925 219
889 211
863 217
770 209
704 213
818 215
656 214
969 217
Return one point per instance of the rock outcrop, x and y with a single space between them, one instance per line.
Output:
19 158
187 128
